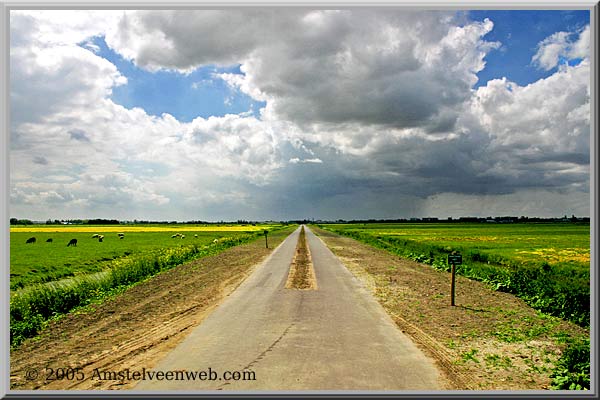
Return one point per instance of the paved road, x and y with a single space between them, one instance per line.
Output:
337 337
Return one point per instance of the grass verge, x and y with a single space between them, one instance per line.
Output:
561 291
33 307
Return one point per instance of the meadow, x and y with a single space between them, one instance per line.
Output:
49 261
546 264
49 279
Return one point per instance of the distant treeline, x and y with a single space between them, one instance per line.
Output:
573 218
102 221
98 221
505 219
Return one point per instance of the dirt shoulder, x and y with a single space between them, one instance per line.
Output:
138 327
489 341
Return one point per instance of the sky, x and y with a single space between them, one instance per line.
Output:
280 114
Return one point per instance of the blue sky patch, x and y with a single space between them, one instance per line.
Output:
520 32
186 97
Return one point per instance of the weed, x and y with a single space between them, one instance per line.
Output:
497 361
534 366
572 370
470 356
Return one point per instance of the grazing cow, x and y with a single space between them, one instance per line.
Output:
95 235
174 236
73 242
196 235
183 236
100 238
49 240
30 240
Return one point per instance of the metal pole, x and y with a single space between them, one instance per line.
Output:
452 285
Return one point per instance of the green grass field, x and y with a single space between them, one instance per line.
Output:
49 279
546 264
524 243
42 261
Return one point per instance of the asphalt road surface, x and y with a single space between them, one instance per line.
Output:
335 338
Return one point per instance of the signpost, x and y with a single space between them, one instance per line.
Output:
454 259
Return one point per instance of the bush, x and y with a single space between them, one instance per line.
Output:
572 371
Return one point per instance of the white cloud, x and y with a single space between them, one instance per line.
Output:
59 27
201 83
49 72
182 40
536 135
296 160
569 45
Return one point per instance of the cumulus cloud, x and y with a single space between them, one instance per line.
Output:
368 113
568 45
538 134
395 80
81 151
182 40
370 67
49 72
509 138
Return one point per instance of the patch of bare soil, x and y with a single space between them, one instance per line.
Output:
136 328
302 274
489 341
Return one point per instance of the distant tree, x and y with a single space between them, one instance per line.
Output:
100 221
15 221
